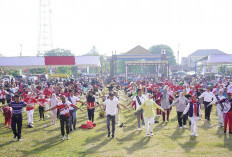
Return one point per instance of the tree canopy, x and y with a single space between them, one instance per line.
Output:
92 52
156 49
58 52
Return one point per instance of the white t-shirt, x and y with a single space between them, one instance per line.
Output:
74 100
111 106
208 96
142 99
64 107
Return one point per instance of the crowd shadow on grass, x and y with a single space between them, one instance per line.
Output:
228 141
177 133
129 137
53 130
160 126
130 119
220 132
130 127
6 132
6 144
207 125
103 128
45 145
94 139
141 144
95 148
173 119
190 144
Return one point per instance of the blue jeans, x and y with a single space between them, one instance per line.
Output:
111 118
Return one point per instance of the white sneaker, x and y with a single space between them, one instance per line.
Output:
14 138
195 135
143 126
62 138
184 126
68 137
139 129
192 134
148 135
181 127
151 134
20 140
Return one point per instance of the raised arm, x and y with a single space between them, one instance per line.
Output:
157 106
186 109
53 108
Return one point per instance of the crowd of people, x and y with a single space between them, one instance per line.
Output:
147 98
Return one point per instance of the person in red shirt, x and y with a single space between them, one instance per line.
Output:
41 102
158 96
47 93
30 100
7 112
91 106
63 106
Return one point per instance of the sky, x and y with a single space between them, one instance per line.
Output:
118 25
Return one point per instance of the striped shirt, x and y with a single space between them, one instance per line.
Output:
64 107
17 107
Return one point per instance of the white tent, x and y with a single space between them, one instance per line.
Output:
87 60
220 59
48 61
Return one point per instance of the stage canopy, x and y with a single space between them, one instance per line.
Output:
40 62
220 59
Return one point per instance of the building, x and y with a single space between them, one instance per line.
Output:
200 54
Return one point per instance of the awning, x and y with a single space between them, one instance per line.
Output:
46 61
220 59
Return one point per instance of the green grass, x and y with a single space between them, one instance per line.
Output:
168 139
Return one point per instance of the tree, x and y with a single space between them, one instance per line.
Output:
92 52
12 72
58 52
156 49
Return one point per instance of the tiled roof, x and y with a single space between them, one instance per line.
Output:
206 52
138 50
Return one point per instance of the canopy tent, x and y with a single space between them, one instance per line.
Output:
47 61
220 59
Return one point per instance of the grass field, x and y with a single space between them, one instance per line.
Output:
168 139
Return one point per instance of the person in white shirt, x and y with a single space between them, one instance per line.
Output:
139 100
63 106
52 103
220 108
73 111
208 99
111 105
194 112
2 95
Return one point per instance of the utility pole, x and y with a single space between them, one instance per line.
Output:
21 50
178 54
45 28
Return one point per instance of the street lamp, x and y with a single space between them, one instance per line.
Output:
163 57
163 51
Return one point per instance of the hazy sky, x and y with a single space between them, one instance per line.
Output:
118 25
